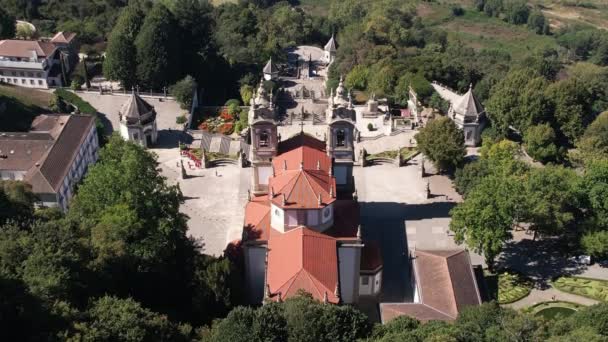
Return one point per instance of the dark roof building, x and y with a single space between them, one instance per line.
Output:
53 156
445 283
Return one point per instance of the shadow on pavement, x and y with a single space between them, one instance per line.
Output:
170 138
541 259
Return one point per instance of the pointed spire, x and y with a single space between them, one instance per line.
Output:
268 293
325 299
271 192
337 291
330 170
331 191
318 165
320 201
359 234
284 200
301 165
248 194
280 297
285 164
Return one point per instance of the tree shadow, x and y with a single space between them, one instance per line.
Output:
385 223
107 124
170 138
541 260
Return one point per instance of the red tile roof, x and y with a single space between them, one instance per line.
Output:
257 219
301 189
302 259
446 285
23 48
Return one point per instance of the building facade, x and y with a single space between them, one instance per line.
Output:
138 121
466 112
52 157
301 229
37 63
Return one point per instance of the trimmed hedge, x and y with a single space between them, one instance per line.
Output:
587 287
83 106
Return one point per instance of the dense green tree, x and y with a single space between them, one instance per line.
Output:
485 219
593 145
7 25
516 12
595 243
16 202
594 186
471 174
540 144
357 78
183 91
538 23
158 49
551 200
114 319
493 8
443 143
121 55
517 101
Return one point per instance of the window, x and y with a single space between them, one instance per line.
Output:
22 81
135 136
327 212
341 138
32 82
29 74
264 139
276 212
39 75
39 82
365 280
469 133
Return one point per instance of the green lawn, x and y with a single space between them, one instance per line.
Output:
22 105
405 153
586 287
507 287
550 310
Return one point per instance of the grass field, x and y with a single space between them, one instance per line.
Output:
21 106
551 310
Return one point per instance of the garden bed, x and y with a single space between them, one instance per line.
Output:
406 153
223 120
551 310
507 286
211 156
587 287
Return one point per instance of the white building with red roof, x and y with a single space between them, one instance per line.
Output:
37 63
301 229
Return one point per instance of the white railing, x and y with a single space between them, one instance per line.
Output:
23 65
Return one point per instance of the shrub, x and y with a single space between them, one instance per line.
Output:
226 128
77 82
180 120
75 100
183 91
232 102
370 127
457 10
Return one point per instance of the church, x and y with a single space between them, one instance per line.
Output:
301 229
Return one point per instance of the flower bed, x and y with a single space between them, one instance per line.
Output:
587 287
508 287
216 120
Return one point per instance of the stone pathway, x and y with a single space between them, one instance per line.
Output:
547 295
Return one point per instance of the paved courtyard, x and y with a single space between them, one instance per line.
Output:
214 200
396 213
109 105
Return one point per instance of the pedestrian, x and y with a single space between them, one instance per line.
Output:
215 173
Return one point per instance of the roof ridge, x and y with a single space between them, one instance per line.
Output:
453 292
310 185
441 312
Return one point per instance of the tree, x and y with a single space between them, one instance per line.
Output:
246 92
113 319
7 25
595 243
443 143
183 91
469 176
121 56
551 200
158 49
540 143
138 236
517 12
516 102
485 219
16 202
357 78
593 145
594 186
538 23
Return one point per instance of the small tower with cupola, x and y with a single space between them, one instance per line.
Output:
262 119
